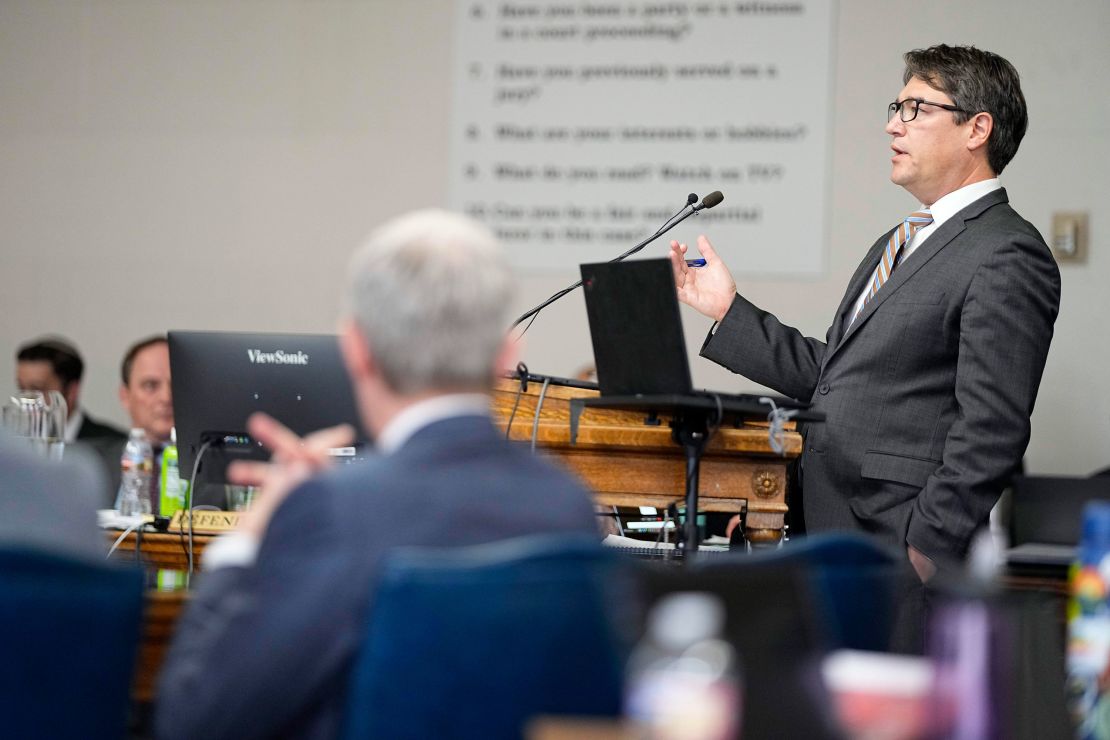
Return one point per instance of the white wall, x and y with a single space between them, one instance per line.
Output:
210 165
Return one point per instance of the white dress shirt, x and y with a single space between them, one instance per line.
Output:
942 210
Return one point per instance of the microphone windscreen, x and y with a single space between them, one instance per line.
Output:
691 199
712 199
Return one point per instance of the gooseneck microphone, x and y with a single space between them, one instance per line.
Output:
692 206
709 201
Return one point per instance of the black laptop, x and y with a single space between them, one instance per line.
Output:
1046 517
639 345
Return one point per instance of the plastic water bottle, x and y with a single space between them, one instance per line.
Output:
136 465
171 489
1089 626
683 682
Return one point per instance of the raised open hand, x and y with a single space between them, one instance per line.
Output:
293 460
709 289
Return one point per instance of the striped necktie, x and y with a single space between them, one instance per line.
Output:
904 232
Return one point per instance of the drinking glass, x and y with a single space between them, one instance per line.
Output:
240 498
39 418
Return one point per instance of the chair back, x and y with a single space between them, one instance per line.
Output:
69 632
853 579
773 620
476 641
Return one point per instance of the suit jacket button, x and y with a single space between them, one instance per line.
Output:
823 389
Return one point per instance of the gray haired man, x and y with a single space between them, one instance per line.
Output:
264 649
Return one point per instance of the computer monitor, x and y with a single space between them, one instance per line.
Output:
221 378
1048 511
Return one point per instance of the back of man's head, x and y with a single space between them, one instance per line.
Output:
430 292
977 81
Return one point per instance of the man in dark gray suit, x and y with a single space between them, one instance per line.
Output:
265 647
53 364
929 371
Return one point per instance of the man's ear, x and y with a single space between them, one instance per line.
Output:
356 350
124 396
982 124
508 354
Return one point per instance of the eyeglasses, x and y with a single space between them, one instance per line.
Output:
907 108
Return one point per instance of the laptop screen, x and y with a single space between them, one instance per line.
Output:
636 328
1049 509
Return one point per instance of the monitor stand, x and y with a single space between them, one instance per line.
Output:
690 422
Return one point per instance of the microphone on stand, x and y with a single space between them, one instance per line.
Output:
692 206
709 201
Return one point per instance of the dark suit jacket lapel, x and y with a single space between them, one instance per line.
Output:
939 239
855 287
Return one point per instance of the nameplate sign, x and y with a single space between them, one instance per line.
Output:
206 521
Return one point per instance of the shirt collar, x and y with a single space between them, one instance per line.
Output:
951 204
73 424
423 413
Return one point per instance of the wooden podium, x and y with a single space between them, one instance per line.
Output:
628 459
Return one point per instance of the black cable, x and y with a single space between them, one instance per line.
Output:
669 224
713 426
181 538
537 313
522 371
189 508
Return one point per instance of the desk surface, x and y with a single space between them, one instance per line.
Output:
158 550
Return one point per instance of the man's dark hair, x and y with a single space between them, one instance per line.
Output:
62 356
136 348
977 81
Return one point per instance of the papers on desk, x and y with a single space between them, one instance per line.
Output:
112 519
629 543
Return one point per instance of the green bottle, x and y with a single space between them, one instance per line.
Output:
171 488
170 580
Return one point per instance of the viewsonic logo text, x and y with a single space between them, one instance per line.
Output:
277 357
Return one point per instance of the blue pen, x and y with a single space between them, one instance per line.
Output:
695 263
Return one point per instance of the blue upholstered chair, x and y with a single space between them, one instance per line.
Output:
69 631
853 580
473 642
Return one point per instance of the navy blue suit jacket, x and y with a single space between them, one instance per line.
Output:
265 651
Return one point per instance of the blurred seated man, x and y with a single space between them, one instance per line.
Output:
266 644
145 390
49 505
53 364
146 396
